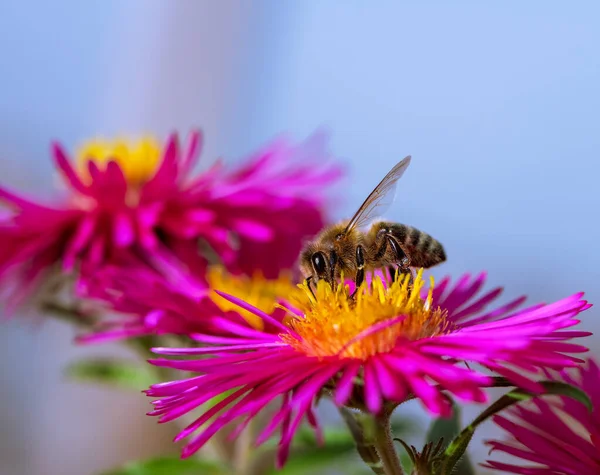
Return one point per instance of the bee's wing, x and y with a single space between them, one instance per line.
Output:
380 198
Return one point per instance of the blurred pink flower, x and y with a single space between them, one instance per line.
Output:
391 344
554 437
128 203
143 302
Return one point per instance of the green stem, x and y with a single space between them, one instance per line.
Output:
384 443
362 431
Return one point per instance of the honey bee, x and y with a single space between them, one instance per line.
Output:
346 249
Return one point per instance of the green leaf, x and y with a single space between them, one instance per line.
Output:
110 371
448 429
169 466
459 445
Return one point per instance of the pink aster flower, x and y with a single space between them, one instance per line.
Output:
393 343
141 301
554 437
129 202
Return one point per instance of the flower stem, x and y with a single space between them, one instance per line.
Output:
360 430
374 441
384 443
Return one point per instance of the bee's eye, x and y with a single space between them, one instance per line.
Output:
318 260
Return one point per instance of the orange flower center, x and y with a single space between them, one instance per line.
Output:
333 324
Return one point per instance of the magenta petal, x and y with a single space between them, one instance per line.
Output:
124 231
391 382
194 149
80 239
62 162
373 396
253 229
255 311
346 383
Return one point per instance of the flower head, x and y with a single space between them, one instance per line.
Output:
558 437
392 343
137 201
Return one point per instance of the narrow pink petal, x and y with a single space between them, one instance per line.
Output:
494 314
345 385
62 162
253 229
288 434
237 329
373 397
314 423
20 202
193 151
275 421
479 304
438 291
116 183
431 397
520 380
80 239
93 170
462 291
97 250
210 413
165 177
219 340
215 349
123 231
393 386
259 313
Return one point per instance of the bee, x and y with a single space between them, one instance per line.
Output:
346 249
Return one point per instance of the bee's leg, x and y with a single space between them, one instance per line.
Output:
402 259
393 273
360 269
333 260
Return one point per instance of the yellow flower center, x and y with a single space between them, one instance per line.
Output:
256 290
335 324
138 160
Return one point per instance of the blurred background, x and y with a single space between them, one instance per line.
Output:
497 103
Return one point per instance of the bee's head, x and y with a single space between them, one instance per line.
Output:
322 257
319 264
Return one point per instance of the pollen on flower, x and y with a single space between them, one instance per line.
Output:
333 324
139 160
256 290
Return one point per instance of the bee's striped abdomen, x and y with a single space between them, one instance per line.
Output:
422 249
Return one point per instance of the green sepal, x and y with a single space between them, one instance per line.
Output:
447 429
